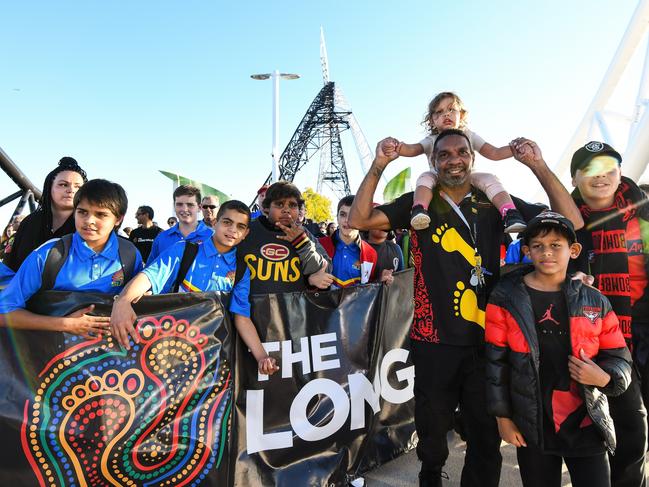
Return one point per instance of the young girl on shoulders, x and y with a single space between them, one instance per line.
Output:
446 111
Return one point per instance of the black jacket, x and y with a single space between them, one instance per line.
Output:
512 352
31 233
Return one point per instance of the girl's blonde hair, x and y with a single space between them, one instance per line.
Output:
434 103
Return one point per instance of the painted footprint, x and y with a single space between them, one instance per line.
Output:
452 241
465 304
98 413
174 358
155 415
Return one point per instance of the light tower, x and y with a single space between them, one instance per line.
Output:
319 131
275 76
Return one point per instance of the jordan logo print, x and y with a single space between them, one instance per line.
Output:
547 316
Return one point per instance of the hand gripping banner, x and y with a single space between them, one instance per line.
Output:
77 412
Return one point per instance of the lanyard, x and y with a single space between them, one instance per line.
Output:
456 209
477 273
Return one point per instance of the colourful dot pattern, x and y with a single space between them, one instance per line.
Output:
157 415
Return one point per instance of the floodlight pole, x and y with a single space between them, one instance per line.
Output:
275 76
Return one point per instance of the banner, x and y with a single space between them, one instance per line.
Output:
86 412
78 412
342 401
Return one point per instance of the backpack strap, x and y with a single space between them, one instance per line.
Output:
58 254
127 256
56 257
189 254
240 268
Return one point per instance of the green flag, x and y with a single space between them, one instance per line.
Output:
397 185
206 190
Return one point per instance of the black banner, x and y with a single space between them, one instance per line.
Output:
341 402
86 412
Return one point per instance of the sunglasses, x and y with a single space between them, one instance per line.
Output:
211 207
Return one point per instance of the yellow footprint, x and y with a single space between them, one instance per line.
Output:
451 241
466 305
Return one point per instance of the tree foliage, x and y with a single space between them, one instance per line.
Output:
318 207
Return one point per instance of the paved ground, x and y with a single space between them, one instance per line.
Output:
403 471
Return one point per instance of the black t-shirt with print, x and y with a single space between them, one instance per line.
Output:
567 428
388 256
274 263
31 234
448 309
143 239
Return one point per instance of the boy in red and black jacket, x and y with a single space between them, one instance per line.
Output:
554 352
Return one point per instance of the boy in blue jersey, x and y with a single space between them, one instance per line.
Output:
187 200
214 269
93 264
354 260
6 274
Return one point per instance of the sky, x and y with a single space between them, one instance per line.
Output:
128 88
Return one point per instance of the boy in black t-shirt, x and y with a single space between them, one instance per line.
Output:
389 256
554 352
282 255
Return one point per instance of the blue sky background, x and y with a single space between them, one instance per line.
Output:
128 88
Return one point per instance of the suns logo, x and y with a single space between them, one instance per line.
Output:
275 252
592 313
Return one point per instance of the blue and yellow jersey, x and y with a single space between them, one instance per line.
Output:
346 264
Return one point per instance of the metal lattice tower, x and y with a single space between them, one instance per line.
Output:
319 131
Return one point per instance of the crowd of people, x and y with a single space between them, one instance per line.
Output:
545 349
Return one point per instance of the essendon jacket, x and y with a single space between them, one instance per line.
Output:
512 352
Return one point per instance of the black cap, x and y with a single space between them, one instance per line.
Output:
583 156
548 219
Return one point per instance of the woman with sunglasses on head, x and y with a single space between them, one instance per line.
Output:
54 216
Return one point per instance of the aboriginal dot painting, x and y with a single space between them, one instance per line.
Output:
156 415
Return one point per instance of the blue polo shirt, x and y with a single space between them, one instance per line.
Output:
6 274
210 271
346 264
515 255
83 271
172 235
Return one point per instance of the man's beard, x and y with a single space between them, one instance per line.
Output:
453 181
